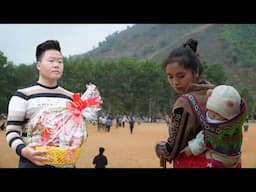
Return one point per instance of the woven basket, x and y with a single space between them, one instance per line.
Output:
61 156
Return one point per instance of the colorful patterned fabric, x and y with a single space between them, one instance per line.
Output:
226 137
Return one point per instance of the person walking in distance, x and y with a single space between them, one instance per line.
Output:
100 160
131 124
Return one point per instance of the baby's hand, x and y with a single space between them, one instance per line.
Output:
187 151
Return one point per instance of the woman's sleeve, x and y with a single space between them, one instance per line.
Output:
182 127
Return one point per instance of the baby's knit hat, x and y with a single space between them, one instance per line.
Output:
224 100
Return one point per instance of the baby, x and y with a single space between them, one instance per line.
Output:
222 137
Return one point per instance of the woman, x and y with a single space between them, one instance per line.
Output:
183 69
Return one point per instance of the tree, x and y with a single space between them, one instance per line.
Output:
214 73
249 99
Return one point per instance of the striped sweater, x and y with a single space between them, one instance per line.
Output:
24 104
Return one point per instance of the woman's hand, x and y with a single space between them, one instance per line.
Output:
161 149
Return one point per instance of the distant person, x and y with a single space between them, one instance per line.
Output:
131 124
246 124
3 123
222 137
3 116
108 123
117 121
100 160
124 119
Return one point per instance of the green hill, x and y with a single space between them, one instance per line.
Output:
232 45
127 65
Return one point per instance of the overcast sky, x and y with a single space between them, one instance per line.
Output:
18 41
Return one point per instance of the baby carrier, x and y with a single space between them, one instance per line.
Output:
223 138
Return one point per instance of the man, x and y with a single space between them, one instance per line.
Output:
26 102
100 160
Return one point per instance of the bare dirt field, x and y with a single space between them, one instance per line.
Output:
125 150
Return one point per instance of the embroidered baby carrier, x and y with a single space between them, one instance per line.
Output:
226 137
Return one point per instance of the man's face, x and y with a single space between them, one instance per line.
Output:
51 66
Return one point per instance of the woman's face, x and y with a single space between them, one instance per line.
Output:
179 77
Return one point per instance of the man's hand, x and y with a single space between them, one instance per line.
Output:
37 157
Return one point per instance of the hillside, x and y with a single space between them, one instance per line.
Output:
140 41
228 44
127 66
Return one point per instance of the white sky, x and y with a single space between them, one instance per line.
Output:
18 41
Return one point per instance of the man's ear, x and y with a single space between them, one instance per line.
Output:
209 92
38 65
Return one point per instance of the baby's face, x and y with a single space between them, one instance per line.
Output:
214 115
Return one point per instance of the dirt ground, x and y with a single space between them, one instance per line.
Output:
125 150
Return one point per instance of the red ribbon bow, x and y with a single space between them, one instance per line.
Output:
78 105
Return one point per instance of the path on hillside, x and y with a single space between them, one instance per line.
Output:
180 40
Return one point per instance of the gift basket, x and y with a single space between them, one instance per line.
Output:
61 130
